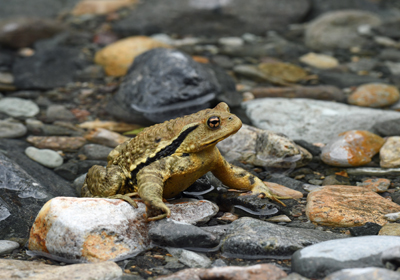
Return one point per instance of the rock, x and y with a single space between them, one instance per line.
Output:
74 168
390 229
38 270
45 157
251 238
259 271
95 151
366 229
117 57
279 219
389 54
387 128
391 257
169 233
338 29
321 61
189 258
344 80
370 171
263 148
11 129
287 182
96 229
62 143
335 180
390 153
374 95
93 7
389 29
352 148
109 125
368 273
48 68
379 185
7 246
18 108
312 92
283 191
393 217
22 32
59 113
185 17
163 84
319 260
313 117
105 137
347 206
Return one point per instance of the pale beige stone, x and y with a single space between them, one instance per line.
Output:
347 206
390 153
321 61
100 7
106 137
282 191
390 229
63 143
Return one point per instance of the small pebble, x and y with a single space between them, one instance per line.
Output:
18 107
59 113
393 217
45 157
376 185
279 219
321 61
374 95
390 153
105 137
11 129
7 246
62 143
390 229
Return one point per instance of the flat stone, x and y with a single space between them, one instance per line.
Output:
378 185
96 229
263 148
388 128
368 273
63 143
59 113
95 151
116 58
254 272
309 120
93 7
320 260
254 239
374 95
345 79
106 137
283 191
390 229
12 129
18 107
189 258
325 32
321 61
352 148
38 271
7 246
393 217
366 229
390 153
45 157
347 206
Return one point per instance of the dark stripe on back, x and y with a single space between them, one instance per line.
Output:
167 151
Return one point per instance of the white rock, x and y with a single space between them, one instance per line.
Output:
7 246
18 107
393 217
312 120
190 258
11 129
231 41
321 61
45 157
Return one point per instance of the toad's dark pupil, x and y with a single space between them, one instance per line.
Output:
213 122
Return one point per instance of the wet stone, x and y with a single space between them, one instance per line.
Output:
45 157
347 206
390 153
18 107
251 238
62 143
374 95
319 260
7 246
366 229
370 273
390 229
11 129
352 148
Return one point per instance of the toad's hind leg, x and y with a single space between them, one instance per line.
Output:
106 182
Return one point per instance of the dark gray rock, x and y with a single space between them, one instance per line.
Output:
343 80
368 273
48 68
389 54
366 229
314 150
74 168
7 58
95 151
387 128
211 18
321 259
170 233
251 238
389 29
23 195
163 84
391 258
37 8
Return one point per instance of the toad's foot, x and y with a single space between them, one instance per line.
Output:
126 197
263 191
157 211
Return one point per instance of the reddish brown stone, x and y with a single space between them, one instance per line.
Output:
374 95
63 143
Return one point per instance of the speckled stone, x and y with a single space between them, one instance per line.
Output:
390 229
374 95
379 185
62 143
390 153
347 206
352 148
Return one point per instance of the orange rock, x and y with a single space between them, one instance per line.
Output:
116 58
352 148
105 137
374 95
375 184
347 206
200 59
63 143
100 7
283 191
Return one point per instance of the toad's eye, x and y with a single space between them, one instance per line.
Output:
213 122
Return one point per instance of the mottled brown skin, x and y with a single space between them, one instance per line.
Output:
165 159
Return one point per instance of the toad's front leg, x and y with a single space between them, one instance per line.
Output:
238 178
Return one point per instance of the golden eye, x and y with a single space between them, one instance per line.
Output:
213 122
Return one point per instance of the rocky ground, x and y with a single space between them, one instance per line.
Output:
314 81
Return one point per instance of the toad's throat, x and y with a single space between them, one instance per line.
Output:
167 151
